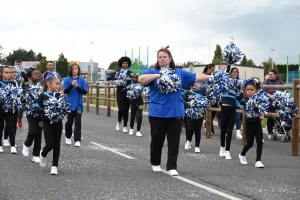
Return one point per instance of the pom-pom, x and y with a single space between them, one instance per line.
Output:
10 98
31 94
284 104
122 78
257 105
198 104
231 53
146 93
56 109
19 75
135 90
169 81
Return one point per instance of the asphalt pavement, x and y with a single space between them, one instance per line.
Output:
113 165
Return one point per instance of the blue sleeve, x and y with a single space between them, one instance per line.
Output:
151 71
187 78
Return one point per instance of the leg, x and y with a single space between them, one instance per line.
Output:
238 121
57 132
230 125
126 112
133 110
38 138
121 105
69 124
2 114
190 128
250 131
224 121
10 129
77 129
48 136
270 124
259 143
139 117
32 130
198 126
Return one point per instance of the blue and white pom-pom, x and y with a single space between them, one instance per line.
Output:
10 98
31 95
135 90
198 104
19 75
257 105
146 93
231 53
122 78
284 104
169 81
56 109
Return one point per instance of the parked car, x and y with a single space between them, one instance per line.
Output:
100 81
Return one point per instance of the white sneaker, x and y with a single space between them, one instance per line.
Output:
118 126
259 164
77 144
197 150
227 155
243 160
43 160
68 141
263 141
125 130
53 170
222 151
13 150
156 168
25 150
35 159
138 134
1 149
131 132
187 145
270 136
238 135
173 172
6 143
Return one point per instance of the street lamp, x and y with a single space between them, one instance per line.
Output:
272 57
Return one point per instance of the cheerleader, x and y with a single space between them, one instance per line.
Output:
35 124
123 79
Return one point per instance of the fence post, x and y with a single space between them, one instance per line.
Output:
295 127
208 122
97 100
87 105
105 94
114 95
108 101
91 93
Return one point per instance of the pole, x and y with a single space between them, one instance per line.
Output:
287 69
299 66
272 57
139 54
131 54
148 58
125 53
208 48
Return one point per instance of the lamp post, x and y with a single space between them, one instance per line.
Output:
272 57
92 60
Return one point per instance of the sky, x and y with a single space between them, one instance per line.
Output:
104 30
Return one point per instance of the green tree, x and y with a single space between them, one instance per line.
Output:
250 62
114 66
62 65
267 64
2 59
42 66
22 54
218 55
244 60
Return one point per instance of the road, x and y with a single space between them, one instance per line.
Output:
113 165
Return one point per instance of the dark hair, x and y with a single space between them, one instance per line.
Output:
1 70
209 66
253 81
31 69
274 71
50 61
70 69
124 59
49 79
235 68
18 61
134 74
172 63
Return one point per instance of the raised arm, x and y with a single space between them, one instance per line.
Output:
145 79
202 77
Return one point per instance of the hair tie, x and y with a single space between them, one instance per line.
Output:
51 75
31 69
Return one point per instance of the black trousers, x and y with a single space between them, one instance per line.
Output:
160 127
194 126
52 135
136 109
270 122
8 118
253 129
15 119
123 106
68 126
20 114
228 115
35 128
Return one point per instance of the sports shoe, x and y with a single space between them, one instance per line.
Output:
173 172
197 150
259 164
35 159
222 151
6 143
125 130
1 149
156 168
238 135
20 124
77 144
138 134
118 126
43 160
131 132
270 136
25 150
68 141
53 170
187 145
263 141
227 155
13 150
243 160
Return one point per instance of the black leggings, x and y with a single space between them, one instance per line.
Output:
8 118
52 135
77 129
228 115
194 126
15 120
253 129
123 106
136 108
35 128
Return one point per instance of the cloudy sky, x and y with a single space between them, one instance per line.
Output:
191 28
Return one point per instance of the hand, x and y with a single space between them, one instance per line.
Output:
74 83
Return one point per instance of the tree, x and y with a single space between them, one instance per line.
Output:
62 65
218 55
42 66
22 54
250 62
114 66
1 55
244 60
267 64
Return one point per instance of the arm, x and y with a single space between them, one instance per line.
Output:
39 108
68 89
201 77
185 99
82 91
145 79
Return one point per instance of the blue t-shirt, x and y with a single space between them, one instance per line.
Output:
74 96
168 105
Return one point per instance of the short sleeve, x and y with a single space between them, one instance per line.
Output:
187 78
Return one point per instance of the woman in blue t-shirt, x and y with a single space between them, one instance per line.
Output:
166 110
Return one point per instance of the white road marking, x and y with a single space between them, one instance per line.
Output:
112 150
